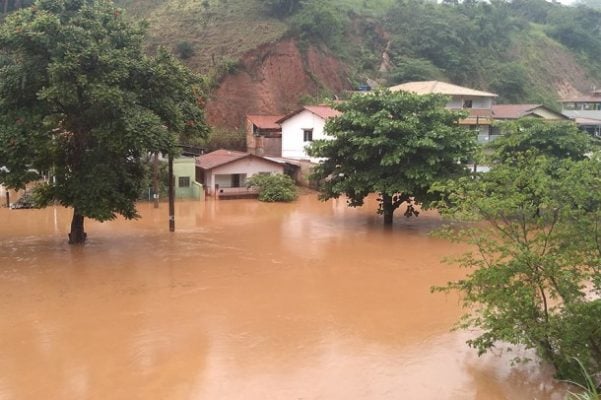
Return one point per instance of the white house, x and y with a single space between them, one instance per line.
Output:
227 170
301 127
476 102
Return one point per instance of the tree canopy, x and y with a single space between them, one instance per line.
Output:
80 101
396 144
533 219
539 137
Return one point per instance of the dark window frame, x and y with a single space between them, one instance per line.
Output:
185 180
308 135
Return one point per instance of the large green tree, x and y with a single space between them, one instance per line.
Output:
538 137
534 223
80 100
395 144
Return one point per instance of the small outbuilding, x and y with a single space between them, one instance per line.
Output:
224 172
506 112
264 135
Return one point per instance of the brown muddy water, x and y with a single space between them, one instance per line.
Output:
246 300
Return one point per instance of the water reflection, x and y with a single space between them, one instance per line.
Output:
245 301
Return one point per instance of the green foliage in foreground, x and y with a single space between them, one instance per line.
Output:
80 99
588 390
560 140
273 187
535 276
396 144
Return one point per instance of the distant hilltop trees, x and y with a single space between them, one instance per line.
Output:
11 5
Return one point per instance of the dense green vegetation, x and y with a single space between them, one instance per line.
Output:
80 101
396 144
533 279
273 187
510 47
525 50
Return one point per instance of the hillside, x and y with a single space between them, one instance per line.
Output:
261 59
270 56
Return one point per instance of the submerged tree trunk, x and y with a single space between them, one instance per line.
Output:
387 209
77 235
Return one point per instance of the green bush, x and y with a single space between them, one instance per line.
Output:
185 50
319 20
414 69
272 188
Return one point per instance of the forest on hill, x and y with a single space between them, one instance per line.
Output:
525 50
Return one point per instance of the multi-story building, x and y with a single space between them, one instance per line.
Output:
585 111
477 103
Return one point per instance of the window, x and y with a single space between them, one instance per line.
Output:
183 181
307 135
467 104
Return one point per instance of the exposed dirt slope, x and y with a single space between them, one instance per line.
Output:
552 67
272 80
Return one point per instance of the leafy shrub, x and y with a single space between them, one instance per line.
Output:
414 69
282 8
511 82
319 20
185 50
223 138
588 391
229 66
272 188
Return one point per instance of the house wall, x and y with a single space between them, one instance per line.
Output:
293 145
185 167
547 114
262 143
251 143
268 146
477 102
249 166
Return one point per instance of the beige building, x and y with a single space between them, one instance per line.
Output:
585 111
509 112
504 112
477 103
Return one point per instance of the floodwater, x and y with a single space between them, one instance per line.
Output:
246 300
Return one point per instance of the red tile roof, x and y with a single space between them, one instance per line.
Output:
221 157
218 157
267 122
321 111
512 111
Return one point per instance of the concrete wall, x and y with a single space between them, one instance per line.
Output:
268 146
262 143
477 102
546 114
198 191
185 167
293 145
248 166
251 139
